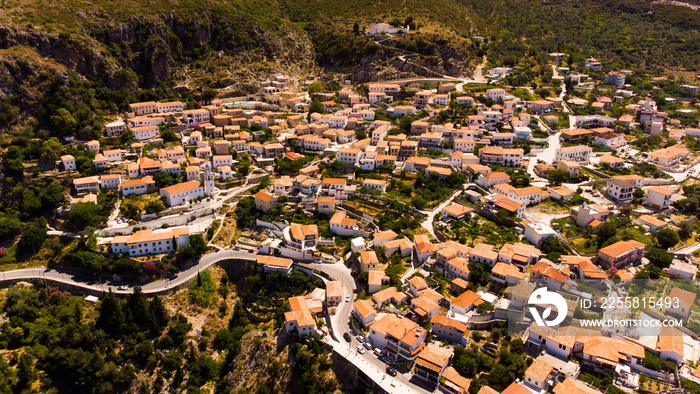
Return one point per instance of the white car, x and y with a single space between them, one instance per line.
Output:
360 349
347 298
378 351
367 345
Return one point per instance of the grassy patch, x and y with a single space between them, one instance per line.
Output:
142 200
585 245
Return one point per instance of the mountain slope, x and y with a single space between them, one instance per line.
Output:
115 52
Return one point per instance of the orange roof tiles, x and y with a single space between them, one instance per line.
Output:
686 298
334 289
274 261
661 190
457 209
572 386
299 312
671 340
364 307
445 321
432 360
539 370
506 270
261 194
385 235
516 388
299 232
376 277
181 187
456 379
621 247
465 299
423 243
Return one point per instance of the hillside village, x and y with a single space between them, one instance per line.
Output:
443 201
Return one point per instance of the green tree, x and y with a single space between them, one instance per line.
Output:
557 177
25 370
667 238
315 87
638 193
553 248
315 107
606 231
485 307
32 239
360 134
10 227
84 215
164 179
198 244
111 315
659 257
405 123
63 122
154 206
209 94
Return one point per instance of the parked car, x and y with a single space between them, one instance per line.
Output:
360 338
251 251
391 371
378 351
360 349
123 287
347 337
347 298
368 345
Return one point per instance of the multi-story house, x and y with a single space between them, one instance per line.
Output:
450 330
170 106
143 108
501 156
110 181
299 318
301 238
579 153
194 117
465 145
68 162
182 193
145 242
659 197
619 190
342 225
138 186
115 129
621 254
349 156
495 94
265 201
430 365
491 179
87 183
145 132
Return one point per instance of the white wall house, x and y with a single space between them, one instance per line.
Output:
147 242
182 193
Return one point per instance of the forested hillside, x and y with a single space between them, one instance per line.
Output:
623 34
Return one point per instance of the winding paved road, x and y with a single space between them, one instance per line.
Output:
91 283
